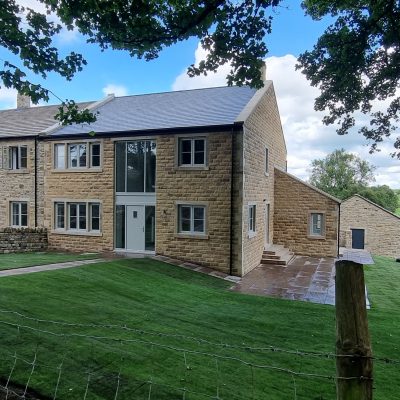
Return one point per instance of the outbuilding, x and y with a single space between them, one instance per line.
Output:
366 225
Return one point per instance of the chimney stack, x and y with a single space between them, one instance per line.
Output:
23 101
263 70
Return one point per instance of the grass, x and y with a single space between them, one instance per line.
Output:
170 306
21 260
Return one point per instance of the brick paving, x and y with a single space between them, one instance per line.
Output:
305 278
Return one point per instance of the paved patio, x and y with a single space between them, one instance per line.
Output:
305 278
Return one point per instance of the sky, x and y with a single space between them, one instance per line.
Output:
292 33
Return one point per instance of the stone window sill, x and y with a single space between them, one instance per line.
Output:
251 235
189 168
76 233
76 170
315 237
190 236
18 171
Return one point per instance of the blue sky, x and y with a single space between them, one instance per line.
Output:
292 33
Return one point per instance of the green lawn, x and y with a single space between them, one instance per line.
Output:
190 333
20 260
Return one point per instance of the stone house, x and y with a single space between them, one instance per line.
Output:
365 225
197 175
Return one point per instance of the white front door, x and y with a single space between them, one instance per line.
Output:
135 219
266 224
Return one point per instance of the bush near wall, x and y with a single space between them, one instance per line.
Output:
20 240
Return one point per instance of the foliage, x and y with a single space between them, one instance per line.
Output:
341 174
231 32
381 195
356 64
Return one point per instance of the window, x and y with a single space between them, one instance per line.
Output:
18 157
59 216
252 218
135 165
192 152
266 161
59 156
19 214
317 224
95 154
191 219
77 155
80 217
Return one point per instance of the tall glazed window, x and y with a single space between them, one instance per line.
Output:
135 166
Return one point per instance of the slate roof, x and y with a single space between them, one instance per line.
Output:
28 121
180 109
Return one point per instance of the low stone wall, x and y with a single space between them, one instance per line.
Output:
20 240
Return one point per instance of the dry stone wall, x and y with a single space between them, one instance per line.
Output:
14 240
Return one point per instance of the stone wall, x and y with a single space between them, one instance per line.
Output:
261 129
19 185
95 185
294 200
206 186
382 228
14 240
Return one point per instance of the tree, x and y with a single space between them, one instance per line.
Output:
341 174
355 64
383 195
231 31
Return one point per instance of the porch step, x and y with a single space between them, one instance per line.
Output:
277 255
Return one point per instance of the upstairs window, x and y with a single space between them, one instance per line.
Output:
192 152
19 214
266 161
77 155
18 157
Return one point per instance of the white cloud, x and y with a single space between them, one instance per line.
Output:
118 90
65 36
306 137
183 81
8 98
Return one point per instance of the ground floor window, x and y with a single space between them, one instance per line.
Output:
77 216
19 213
191 219
252 219
317 224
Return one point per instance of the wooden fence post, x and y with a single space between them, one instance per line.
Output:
352 337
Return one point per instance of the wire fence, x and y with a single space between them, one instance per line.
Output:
51 359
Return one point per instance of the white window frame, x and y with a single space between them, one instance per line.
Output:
192 219
79 146
15 157
20 214
251 219
192 152
311 224
67 155
88 206
266 157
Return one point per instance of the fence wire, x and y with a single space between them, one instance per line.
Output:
43 359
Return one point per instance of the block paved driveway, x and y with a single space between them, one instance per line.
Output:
305 278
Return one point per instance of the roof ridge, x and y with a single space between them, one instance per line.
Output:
371 202
183 90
